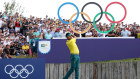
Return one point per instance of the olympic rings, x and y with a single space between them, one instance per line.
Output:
70 21
17 71
74 29
119 4
95 4
98 29
70 4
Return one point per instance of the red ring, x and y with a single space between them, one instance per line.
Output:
122 6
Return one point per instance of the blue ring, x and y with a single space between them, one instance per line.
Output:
70 4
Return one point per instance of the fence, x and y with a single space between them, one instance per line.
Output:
116 70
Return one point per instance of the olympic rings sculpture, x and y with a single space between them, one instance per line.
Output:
101 14
19 73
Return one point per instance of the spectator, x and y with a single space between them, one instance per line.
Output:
12 30
17 25
6 52
64 33
6 29
57 33
77 35
1 32
111 34
12 36
36 33
48 35
1 23
125 33
52 31
6 42
88 34
1 51
33 45
31 33
118 33
84 34
25 49
95 34
6 33
12 49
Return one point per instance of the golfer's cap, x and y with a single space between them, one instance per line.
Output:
68 34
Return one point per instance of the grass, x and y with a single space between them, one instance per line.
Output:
23 56
124 60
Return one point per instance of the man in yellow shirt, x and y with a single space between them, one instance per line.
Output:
25 48
74 57
138 35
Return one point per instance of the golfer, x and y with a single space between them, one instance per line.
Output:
74 56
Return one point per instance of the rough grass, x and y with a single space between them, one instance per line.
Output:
23 56
124 60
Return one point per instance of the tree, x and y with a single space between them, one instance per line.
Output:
13 7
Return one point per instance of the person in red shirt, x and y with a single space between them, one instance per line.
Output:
17 25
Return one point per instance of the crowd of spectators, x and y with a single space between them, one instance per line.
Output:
19 34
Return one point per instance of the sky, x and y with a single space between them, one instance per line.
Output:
41 8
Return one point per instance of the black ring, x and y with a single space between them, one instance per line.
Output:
95 4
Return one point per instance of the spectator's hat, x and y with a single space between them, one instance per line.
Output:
57 30
7 38
49 30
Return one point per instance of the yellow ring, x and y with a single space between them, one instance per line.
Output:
74 29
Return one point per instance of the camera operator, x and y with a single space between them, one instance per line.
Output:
12 49
6 51
17 48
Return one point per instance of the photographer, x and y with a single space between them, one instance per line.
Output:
6 51
18 47
12 49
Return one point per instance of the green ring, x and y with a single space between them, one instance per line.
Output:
97 28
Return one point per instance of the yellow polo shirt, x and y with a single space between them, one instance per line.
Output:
72 46
25 47
138 35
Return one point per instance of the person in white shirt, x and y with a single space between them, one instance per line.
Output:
6 42
89 34
125 33
63 34
6 33
61 30
44 29
12 37
5 29
52 31
28 38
